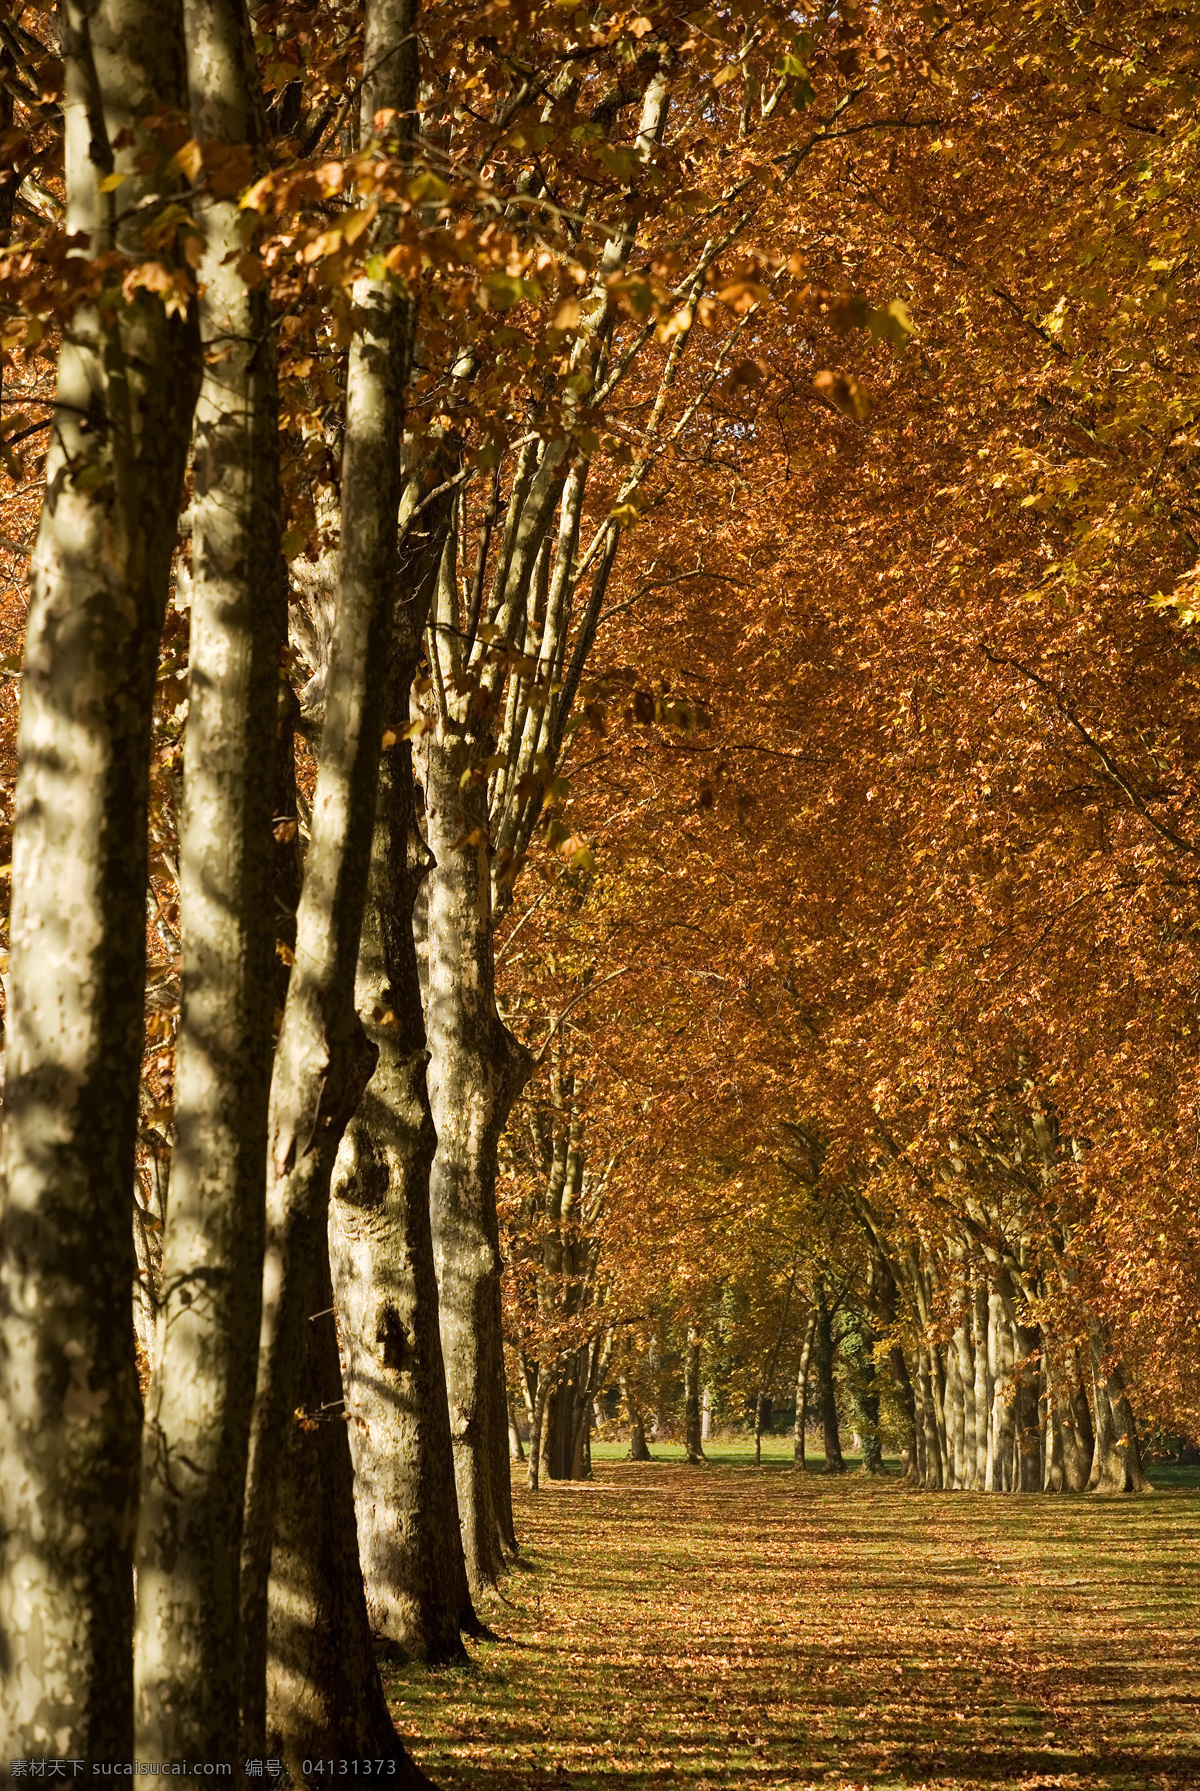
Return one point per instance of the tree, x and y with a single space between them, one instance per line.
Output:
197 1427
99 579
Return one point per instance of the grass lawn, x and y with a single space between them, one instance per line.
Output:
678 1627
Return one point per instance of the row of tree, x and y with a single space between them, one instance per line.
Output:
373 330
915 886
817 862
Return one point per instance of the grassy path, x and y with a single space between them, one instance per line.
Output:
722 1627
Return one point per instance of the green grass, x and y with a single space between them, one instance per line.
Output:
675 1627
738 1451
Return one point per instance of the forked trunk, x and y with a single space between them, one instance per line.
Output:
127 377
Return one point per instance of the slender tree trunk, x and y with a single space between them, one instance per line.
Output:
921 1428
637 1429
983 1381
872 1448
1002 1435
127 376
828 1396
536 1430
934 1477
501 1472
858 1354
956 1422
806 1349
1026 1414
962 1346
903 1388
476 1072
381 1246
691 1399
581 1459
198 1413
1054 1448
516 1449
323 1059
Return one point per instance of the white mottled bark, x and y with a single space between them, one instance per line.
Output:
99 580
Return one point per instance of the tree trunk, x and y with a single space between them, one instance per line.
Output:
983 1381
516 1449
691 1399
323 1689
1002 1430
961 1345
476 1072
903 1387
933 1459
1026 1413
323 1059
127 376
826 1393
1074 1419
921 1431
536 1430
806 1349
381 1245
581 1454
1117 1464
501 1472
1053 1429
637 1429
198 1412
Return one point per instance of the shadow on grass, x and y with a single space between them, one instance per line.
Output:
740 1628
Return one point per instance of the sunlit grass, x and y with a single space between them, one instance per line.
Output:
722 1627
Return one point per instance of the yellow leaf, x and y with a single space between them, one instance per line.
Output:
189 161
